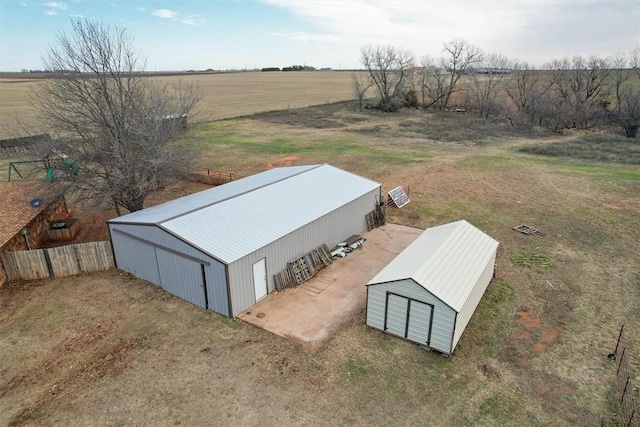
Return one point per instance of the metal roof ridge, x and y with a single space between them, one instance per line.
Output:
417 274
455 231
238 195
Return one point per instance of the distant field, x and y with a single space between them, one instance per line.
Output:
223 95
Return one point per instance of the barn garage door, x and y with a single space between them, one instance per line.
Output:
408 318
182 277
136 257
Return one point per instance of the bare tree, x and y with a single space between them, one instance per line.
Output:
634 60
438 79
488 79
390 70
526 88
432 83
581 91
360 89
120 126
626 111
459 56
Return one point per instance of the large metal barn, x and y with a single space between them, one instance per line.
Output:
219 248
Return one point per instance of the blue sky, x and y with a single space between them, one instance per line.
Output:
234 34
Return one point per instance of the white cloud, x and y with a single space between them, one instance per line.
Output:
24 4
164 13
50 12
56 5
192 20
517 28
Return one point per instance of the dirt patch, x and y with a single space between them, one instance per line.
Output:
284 161
538 348
551 334
112 362
520 334
530 328
558 394
619 208
527 320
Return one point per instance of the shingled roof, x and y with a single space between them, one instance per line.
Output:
16 211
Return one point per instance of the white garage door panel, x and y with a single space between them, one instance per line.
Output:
419 322
396 321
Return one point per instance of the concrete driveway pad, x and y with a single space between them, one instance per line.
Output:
311 312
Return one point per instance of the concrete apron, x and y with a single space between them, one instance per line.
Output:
310 313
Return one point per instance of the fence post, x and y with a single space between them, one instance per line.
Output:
613 355
47 260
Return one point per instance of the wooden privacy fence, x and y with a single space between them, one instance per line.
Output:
626 390
62 261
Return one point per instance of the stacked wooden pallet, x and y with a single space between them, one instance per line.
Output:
304 268
376 218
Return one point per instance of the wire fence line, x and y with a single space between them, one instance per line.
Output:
626 390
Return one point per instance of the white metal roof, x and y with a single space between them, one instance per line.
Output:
446 260
235 219
184 205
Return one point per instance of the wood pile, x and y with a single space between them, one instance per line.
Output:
304 268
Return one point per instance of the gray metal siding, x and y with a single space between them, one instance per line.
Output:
443 315
139 258
181 277
216 275
329 229
136 258
473 300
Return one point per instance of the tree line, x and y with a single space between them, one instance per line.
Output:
568 93
290 68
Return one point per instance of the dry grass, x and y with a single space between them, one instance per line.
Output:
223 95
534 352
591 146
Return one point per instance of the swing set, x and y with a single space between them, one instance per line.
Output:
57 168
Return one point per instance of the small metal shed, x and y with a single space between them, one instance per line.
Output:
219 248
429 292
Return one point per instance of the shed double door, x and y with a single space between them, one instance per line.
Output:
408 318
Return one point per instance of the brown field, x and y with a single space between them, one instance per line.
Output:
106 349
223 95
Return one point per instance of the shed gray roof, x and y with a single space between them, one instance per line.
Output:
237 218
446 260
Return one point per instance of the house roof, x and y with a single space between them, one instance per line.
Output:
16 210
237 218
446 260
